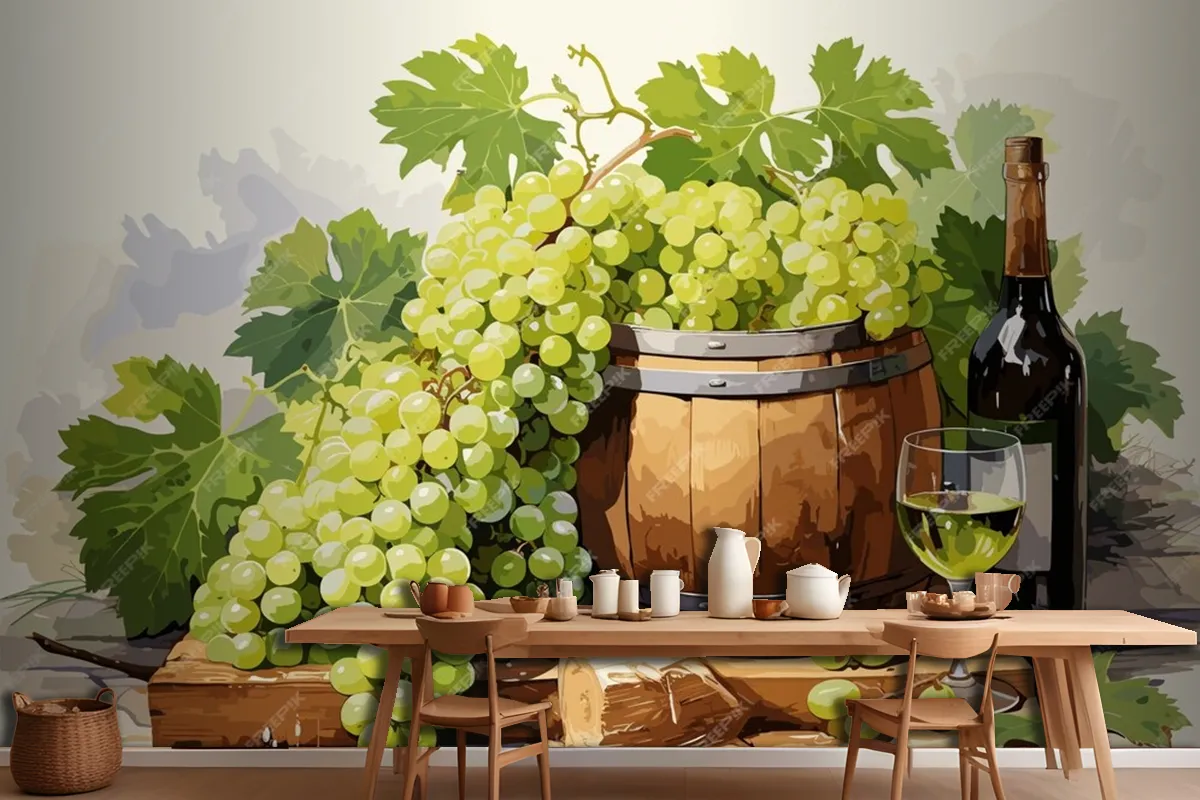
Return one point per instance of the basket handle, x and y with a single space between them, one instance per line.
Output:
113 696
20 700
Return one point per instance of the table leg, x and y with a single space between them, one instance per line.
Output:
1063 714
1086 691
421 770
1049 725
379 734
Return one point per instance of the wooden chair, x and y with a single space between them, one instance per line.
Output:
896 717
487 715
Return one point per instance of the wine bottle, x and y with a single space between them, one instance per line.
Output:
1026 377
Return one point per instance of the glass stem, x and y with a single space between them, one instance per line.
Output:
959 674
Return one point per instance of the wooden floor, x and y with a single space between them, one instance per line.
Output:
519 783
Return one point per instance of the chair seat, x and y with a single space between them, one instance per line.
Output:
456 711
933 713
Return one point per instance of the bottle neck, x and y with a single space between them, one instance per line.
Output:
1026 250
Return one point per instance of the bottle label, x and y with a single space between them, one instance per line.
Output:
1032 549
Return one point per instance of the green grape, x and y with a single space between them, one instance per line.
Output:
477 460
679 230
372 662
500 500
464 342
450 564
249 651
480 284
486 361
710 249
391 519
546 463
466 315
501 393
783 217
365 565
527 523
895 210
423 538
553 397
368 462
406 562
921 312
861 270
505 305
735 216
545 286
416 312
877 298
834 229
420 412
868 237
347 678
220 649
582 365
237 546
930 279
670 260
328 557
555 351
274 493
251 513
640 235
337 589
302 543
279 652
562 318
320 496
532 487
396 593
281 605
439 448
514 257
503 428
742 266
559 505
398 482
657 318
847 204
239 616
262 538
546 563
310 596
572 419
508 569
831 662
282 568
566 448
566 178
827 699
610 247
470 494
823 269
833 308
576 242
290 514
329 525
332 456
594 333
503 336
649 285
208 597
528 380
577 563
900 310
685 287
382 409
429 502
205 623
355 531
562 536
590 208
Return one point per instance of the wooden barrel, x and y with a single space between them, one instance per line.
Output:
791 435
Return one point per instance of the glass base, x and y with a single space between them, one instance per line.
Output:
964 685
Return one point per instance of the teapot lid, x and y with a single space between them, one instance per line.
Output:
606 573
812 571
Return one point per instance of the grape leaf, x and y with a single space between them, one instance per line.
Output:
1024 727
1066 265
480 109
858 111
1124 380
977 189
158 505
971 256
1135 709
324 314
727 132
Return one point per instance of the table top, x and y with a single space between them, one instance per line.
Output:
695 633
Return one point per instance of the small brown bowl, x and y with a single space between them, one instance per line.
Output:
766 608
529 605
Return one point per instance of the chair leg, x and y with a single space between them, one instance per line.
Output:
974 782
851 754
543 758
964 776
494 763
908 761
461 742
898 768
993 768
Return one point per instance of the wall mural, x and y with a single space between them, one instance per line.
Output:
456 405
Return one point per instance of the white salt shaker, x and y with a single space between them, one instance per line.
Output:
604 593
629 599
665 586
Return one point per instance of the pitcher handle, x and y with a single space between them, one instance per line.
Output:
681 584
107 691
20 700
1014 583
415 588
753 552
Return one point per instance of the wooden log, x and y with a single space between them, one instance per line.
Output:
197 703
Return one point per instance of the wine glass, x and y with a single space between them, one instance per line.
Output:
960 495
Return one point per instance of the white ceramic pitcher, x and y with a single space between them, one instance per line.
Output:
731 574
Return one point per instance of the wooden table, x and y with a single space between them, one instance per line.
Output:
1059 642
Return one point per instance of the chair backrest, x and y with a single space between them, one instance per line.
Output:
468 637
948 640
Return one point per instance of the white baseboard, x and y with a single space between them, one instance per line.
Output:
641 758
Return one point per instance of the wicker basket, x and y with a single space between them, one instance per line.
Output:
65 746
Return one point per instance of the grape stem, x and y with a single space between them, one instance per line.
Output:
786 178
644 140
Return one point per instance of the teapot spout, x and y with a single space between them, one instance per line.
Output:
843 589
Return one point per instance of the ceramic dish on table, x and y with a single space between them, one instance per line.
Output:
948 611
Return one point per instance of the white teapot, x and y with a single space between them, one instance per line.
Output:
814 592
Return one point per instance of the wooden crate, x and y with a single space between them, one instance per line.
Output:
197 703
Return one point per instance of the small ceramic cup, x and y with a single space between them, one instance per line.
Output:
767 608
963 601
914 600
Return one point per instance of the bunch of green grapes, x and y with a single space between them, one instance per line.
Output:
711 257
